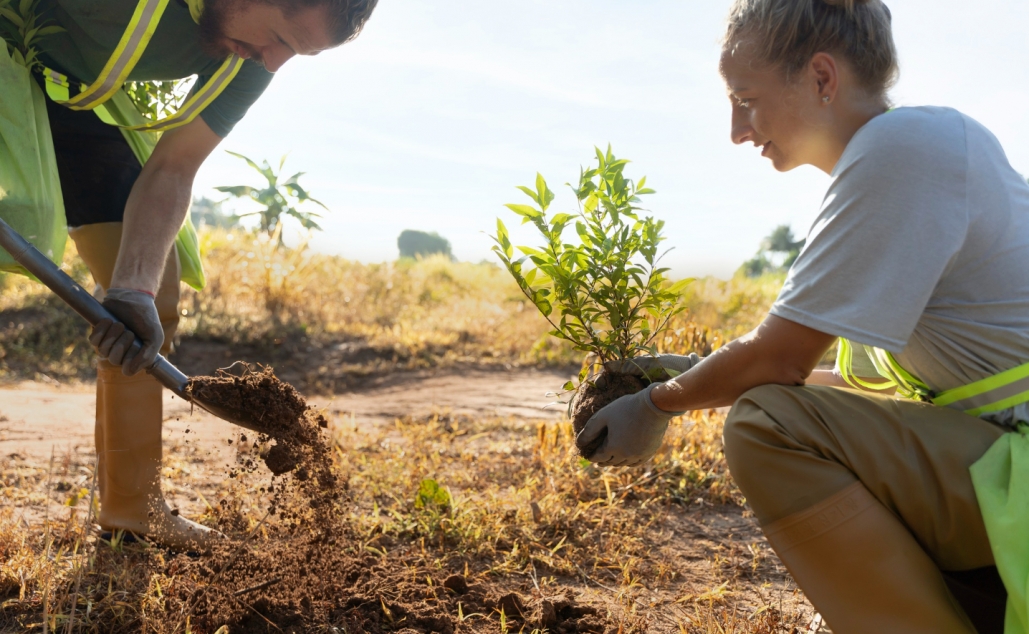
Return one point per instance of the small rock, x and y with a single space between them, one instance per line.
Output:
457 583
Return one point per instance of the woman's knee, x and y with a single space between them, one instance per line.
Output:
752 421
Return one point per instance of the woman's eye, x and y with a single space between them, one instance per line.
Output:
744 103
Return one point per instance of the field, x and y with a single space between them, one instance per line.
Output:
430 374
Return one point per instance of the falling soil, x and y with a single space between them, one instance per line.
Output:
304 568
607 388
274 408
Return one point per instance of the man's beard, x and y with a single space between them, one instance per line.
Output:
213 40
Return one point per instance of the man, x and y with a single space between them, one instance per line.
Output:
124 218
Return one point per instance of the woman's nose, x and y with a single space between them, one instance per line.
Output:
741 131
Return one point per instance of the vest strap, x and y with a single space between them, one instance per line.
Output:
993 394
133 43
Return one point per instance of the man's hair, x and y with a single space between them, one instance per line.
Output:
788 33
346 17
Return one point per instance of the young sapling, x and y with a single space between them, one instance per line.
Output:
604 292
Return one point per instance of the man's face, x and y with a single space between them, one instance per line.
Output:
262 32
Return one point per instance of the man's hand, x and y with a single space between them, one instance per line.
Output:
654 367
138 316
635 428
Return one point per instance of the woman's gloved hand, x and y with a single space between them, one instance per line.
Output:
137 314
651 365
635 429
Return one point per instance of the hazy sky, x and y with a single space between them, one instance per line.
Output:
433 116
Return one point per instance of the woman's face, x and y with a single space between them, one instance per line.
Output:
782 118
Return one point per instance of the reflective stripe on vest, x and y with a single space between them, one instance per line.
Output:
993 394
133 43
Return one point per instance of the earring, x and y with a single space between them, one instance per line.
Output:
825 99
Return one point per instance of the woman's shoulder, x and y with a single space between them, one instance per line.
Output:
916 127
928 135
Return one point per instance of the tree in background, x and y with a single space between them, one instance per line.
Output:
205 212
777 254
277 198
413 244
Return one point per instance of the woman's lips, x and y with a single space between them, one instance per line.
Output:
765 147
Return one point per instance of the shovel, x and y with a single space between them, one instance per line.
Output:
92 311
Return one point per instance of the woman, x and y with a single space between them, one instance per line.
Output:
920 258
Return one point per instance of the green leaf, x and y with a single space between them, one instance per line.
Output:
531 194
13 17
680 286
432 496
568 387
525 210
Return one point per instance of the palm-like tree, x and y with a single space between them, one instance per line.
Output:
277 198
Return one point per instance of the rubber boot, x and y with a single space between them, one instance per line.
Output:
129 416
863 570
129 446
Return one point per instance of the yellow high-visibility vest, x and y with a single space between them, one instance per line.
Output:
126 55
993 394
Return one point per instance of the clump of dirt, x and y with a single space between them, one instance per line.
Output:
604 390
271 407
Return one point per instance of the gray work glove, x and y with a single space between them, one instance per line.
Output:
137 314
635 428
650 366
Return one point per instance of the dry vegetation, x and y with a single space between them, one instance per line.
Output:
669 548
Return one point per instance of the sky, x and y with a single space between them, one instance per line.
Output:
439 109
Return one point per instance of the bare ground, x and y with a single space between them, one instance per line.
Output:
709 556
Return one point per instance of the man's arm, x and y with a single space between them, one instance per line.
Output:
779 352
153 215
158 203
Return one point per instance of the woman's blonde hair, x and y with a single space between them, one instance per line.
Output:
788 33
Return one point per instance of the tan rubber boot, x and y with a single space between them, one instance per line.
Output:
129 417
130 448
863 570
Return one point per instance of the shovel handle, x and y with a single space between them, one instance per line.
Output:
81 301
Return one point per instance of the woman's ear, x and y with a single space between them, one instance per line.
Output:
824 71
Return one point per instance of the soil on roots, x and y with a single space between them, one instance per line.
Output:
607 388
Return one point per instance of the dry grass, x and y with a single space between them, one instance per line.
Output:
399 315
666 549
280 304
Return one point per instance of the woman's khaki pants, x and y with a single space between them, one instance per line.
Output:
866 499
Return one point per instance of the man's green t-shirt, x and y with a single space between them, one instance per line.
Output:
93 29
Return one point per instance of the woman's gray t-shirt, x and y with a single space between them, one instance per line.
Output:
921 248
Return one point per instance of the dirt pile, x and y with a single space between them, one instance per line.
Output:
303 569
605 389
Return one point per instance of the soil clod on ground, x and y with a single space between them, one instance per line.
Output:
604 390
